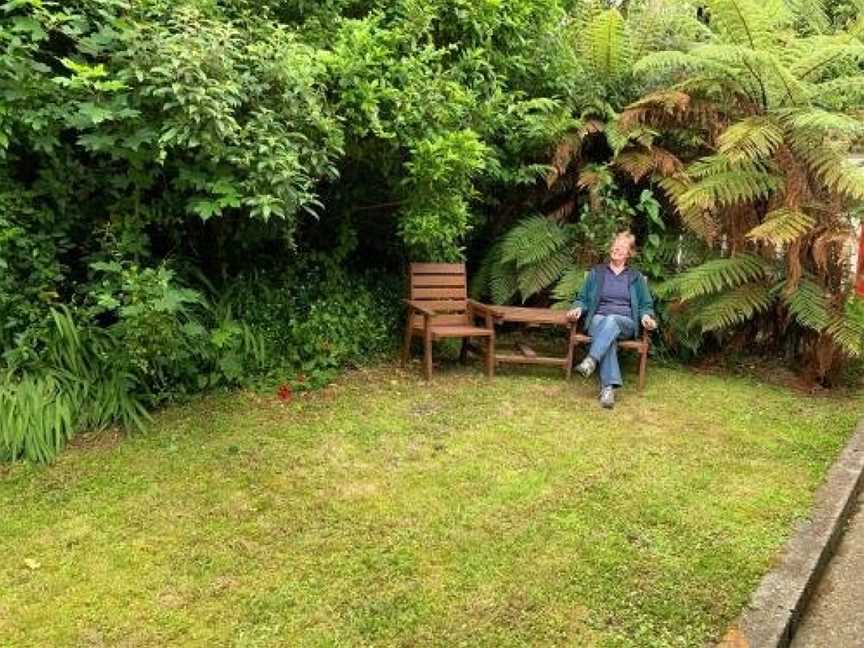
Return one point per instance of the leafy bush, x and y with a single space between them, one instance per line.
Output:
318 318
74 383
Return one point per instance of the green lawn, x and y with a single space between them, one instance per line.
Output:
383 511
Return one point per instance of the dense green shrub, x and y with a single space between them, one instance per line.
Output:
70 380
318 318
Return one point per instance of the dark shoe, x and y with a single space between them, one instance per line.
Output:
607 397
587 366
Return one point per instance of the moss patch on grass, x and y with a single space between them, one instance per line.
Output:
387 511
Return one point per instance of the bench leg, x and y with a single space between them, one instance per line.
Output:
463 352
406 344
427 353
568 363
490 356
643 365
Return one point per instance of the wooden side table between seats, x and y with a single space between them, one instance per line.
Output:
536 316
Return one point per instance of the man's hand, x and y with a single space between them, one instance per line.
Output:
574 314
648 322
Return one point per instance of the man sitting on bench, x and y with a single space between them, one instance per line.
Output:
616 301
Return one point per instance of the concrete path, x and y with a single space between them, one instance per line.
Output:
835 617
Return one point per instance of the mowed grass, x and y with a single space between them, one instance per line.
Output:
384 511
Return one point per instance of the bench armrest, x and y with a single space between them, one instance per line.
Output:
484 309
417 306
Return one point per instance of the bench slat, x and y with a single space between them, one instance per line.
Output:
437 268
438 293
440 280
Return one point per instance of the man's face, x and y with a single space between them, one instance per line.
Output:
620 251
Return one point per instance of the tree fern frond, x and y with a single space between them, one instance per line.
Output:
782 226
751 138
811 13
636 162
670 61
698 220
538 276
847 329
617 138
569 285
718 275
503 284
730 188
533 240
656 107
607 44
733 307
807 304
752 23
822 53
842 93
830 122
832 166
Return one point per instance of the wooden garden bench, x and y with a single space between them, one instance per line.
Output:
550 317
439 308
641 347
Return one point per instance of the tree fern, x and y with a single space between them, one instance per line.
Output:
734 307
607 46
770 116
569 285
825 121
847 329
807 304
832 166
541 275
528 259
753 23
728 188
753 138
812 13
533 240
782 226
717 275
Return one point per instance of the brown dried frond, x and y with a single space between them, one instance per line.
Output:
636 162
796 191
588 179
675 109
666 163
592 126
739 219
656 104
639 162
794 267
829 245
566 151
561 214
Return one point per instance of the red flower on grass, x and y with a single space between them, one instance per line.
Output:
284 393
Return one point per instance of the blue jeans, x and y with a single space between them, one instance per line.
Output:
605 331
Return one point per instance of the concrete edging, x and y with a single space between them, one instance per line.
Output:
772 615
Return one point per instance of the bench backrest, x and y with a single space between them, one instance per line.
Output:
440 287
